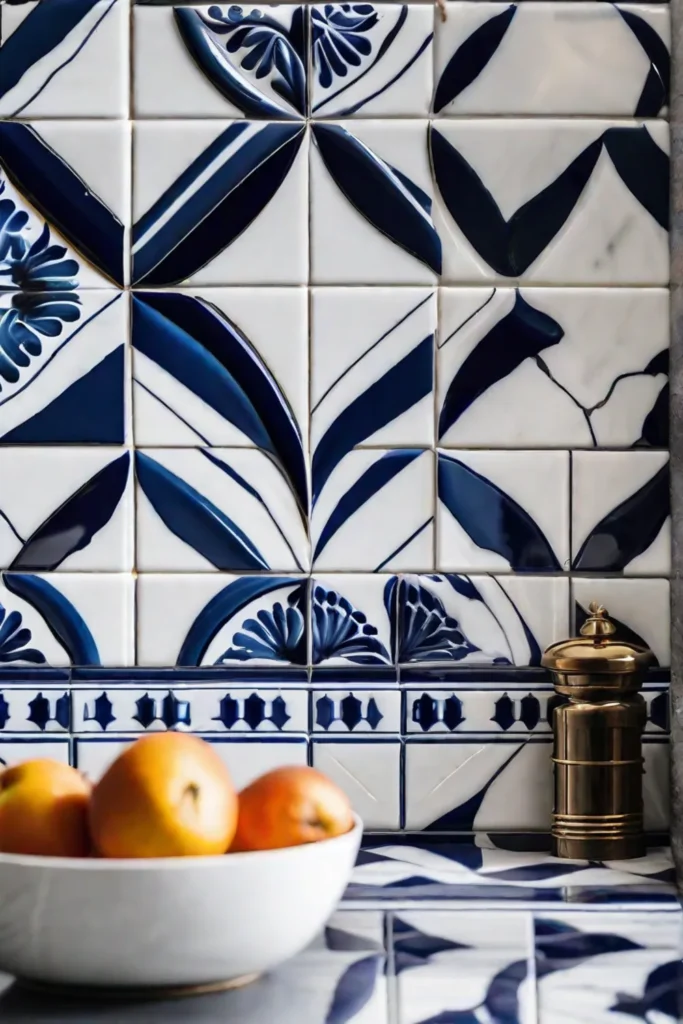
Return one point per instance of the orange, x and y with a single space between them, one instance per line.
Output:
44 810
288 807
167 795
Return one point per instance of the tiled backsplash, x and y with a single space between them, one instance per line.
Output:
333 384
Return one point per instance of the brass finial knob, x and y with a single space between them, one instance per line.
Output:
598 624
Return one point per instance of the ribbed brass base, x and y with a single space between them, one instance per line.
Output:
620 848
130 994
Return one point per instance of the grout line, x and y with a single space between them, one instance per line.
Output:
393 991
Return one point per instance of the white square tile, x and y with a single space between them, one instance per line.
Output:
503 511
15 751
351 620
220 202
552 367
639 608
368 772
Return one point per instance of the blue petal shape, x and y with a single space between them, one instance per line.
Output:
502 1000
354 989
655 94
401 387
61 617
663 991
643 167
196 343
342 631
195 519
471 57
64 199
13 640
194 220
492 519
559 946
462 818
378 194
75 523
227 603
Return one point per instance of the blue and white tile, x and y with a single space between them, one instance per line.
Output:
67 509
372 367
503 511
480 620
371 60
192 709
463 967
64 199
497 711
16 751
371 204
224 367
639 608
60 619
658 704
565 202
352 620
620 513
245 759
28 710
343 712
369 772
64 60
553 59
63 365
553 367
220 60
220 202
201 620
227 509
373 509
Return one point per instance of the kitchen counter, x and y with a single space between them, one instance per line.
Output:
445 931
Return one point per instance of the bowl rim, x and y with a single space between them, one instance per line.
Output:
178 863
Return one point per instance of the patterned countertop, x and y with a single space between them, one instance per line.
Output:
455 931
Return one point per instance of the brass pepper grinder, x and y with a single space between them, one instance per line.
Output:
598 759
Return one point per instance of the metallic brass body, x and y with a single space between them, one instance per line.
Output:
597 755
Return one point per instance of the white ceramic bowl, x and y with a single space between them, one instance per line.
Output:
174 922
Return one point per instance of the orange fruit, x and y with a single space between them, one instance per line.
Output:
44 810
288 807
167 795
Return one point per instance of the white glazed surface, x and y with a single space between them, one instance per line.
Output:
176 921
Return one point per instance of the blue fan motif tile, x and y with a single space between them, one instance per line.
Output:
352 625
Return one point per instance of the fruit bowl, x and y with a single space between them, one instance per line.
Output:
181 922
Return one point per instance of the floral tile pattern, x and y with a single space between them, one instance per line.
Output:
333 389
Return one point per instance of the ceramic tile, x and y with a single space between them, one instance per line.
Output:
368 772
371 62
224 367
371 196
219 202
65 60
657 701
190 709
552 58
503 511
639 608
29 710
64 197
211 60
245 759
15 751
479 620
67 509
62 380
372 354
66 619
372 509
496 711
644 930
553 367
343 712
219 508
202 620
352 620
620 513
552 202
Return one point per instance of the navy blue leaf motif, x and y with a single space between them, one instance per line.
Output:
655 94
374 189
628 530
655 431
4 711
75 523
453 1017
643 167
354 989
104 709
197 344
493 520
520 335
271 51
61 617
471 57
559 946
426 631
63 199
276 635
502 1000
413 948
13 640
342 631
663 994
195 519
340 39
196 219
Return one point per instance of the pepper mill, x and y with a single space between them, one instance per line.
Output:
597 750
